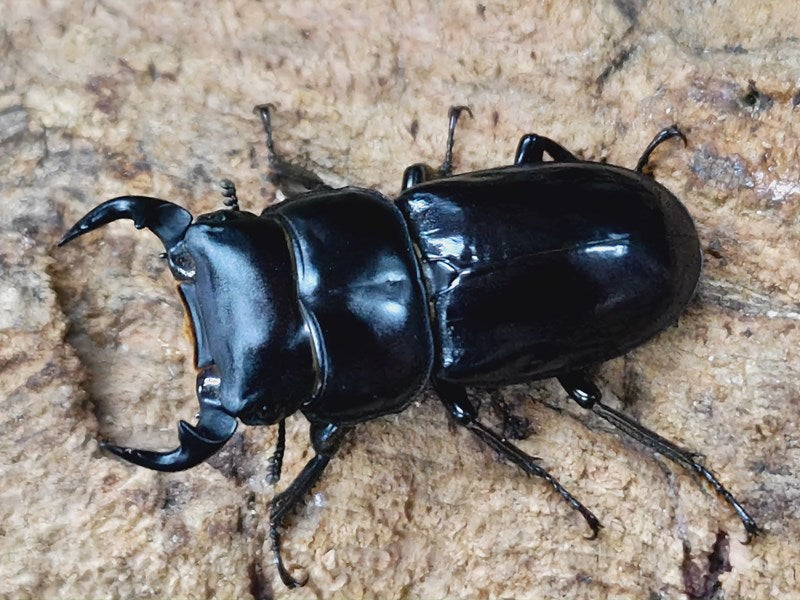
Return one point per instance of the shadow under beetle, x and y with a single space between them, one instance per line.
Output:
342 305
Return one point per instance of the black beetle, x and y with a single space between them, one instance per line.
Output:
342 305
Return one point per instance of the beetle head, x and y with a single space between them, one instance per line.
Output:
247 318
253 346
215 425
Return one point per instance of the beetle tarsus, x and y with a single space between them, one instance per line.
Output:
263 110
661 137
421 172
452 115
326 440
288 177
585 393
283 572
464 413
527 464
276 460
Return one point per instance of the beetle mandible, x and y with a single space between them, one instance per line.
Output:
535 270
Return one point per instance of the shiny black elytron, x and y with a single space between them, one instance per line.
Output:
342 304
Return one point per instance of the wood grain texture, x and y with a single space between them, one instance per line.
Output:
99 99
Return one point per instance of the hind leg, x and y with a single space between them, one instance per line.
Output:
661 137
454 397
585 393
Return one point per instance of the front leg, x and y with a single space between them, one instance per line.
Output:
326 440
290 178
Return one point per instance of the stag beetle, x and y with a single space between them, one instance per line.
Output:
342 305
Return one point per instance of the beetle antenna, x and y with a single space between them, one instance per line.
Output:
229 194
661 137
276 460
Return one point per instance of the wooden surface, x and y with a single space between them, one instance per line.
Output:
101 99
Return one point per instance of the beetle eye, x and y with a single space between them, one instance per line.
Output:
181 263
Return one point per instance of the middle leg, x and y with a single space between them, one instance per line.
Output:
290 178
465 414
419 172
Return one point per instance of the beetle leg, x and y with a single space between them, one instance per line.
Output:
326 440
585 393
288 177
464 413
419 172
452 115
276 460
531 149
661 137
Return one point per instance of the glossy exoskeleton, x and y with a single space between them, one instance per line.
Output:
342 305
